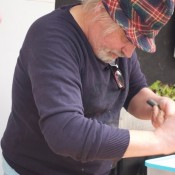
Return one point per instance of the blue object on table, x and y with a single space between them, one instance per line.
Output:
166 163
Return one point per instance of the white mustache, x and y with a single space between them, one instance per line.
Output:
119 54
107 55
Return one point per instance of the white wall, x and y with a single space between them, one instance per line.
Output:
17 16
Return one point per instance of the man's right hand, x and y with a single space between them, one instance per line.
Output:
166 134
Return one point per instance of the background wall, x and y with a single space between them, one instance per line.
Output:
17 16
161 64
59 3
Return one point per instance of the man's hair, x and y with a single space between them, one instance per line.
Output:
103 16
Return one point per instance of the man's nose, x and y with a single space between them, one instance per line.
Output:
128 49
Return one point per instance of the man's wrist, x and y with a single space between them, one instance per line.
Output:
144 143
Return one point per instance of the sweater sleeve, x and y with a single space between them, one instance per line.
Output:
137 80
54 70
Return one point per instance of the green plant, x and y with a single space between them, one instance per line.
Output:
163 89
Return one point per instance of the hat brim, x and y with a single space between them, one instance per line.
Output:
142 42
139 40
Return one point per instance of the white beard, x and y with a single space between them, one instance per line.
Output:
107 55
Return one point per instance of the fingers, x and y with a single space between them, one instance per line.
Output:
158 116
167 105
166 134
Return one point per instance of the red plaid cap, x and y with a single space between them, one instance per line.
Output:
141 19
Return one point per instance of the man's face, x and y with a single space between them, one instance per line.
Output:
109 46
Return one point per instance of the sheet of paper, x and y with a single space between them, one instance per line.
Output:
163 163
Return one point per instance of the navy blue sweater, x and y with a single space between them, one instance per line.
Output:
66 103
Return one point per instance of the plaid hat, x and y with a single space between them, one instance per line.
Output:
141 19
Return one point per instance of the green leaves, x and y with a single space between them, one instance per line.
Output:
162 89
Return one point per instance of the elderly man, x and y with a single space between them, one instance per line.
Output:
77 68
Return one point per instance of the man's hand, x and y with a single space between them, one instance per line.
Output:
158 117
166 135
159 141
161 111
